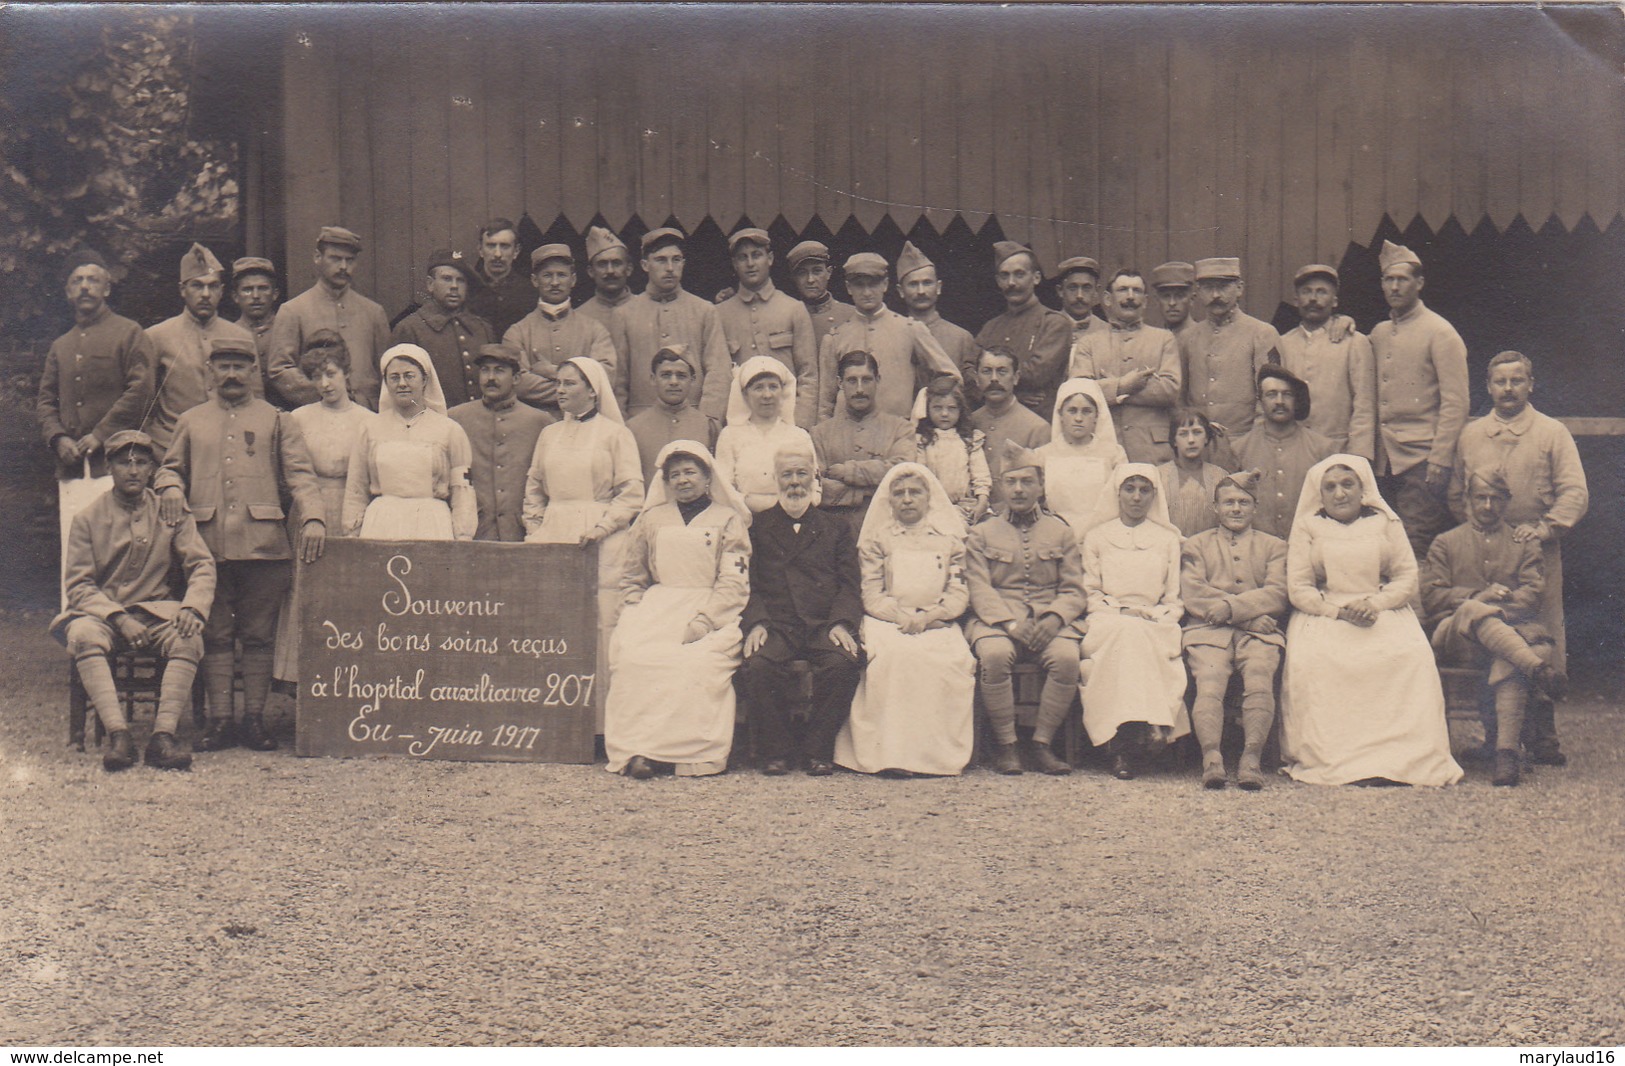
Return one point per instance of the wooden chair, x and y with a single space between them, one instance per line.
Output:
139 678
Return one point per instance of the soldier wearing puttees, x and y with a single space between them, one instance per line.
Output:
810 269
502 436
552 334
1281 448
1138 369
673 418
665 314
1077 283
920 289
122 594
609 265
445 327
860 443
1220 358
230 463
332 304
1421 400
181 344
1337 364
1040 338
759 320
254 290
1537 456
1025 575
902 348
502 293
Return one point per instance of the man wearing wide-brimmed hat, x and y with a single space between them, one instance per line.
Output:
1280 447
332 303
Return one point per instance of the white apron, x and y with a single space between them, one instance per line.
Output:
406 507
1134 669
1072 485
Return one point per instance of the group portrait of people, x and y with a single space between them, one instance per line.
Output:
847 525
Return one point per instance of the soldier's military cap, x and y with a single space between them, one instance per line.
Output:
1316 270
1174 275
807 250
1225 269
911 260
129 438
750 233
253 264
224 347
199 262
656 239
339 236
500 353
601 240
1078 262
446 257
1393 254
1005 249
865 265
551 251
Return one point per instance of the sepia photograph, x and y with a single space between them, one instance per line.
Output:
883 525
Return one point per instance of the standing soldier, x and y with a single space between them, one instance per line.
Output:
231 460
1280 449
332 304
1336 362
920 289
254 291
858 445
552 334
673 418
1536 455
1077 282
810 269
1222 356
1175 285
609 265
502 295
1421 400
759 320
180 344
502 436
1137 367
662 315
903 349
95 383
446 328
1000 418
1040 338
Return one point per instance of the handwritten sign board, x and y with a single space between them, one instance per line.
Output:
471 651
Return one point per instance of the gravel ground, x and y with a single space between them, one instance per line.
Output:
267 899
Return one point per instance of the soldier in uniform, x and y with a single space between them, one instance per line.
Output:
501 294
553 334
859 444
95 382
254 291
674 418
1335 361
1220 358
1026 589
1281 448
809 264
1040 338
181 344
759 320
332 303
609 265
903 349
502 436
446 328
122 566
1077 283
920 289
663 314
1137 366
229 465
1175 286
1001 418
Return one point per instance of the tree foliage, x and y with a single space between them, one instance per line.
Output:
96 150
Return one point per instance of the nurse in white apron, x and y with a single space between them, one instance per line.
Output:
1081 453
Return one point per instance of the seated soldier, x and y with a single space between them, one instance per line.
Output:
1481 589
804 604
121 560
1026 590
1232 579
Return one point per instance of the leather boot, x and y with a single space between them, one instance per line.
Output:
252 734
1007 760
1048 762
638 768
218 735
1122 768
1250 774
1506 768
1552 681
1213 770
164 754
120 754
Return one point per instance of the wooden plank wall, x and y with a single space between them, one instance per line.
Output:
1130 136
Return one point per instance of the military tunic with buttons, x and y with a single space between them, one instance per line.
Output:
1016 572
96 380
1221 361
767 322
452 341
502 440
181 369
827 315
548 341
1041 339
1284 460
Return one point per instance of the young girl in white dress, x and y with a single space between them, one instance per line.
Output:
951 448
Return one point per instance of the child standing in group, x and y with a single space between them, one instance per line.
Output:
951 447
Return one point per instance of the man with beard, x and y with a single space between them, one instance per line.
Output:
231 461
860 443
1221 357
125 591
254 291
804 604
445 327
1280 448
1536 455
1421 400
673 418
553 334
1077 282
1175 285
609 265
759 320
502 434
1137 367
920 289
809 268
500 294
94 384
1040 338
181 344
903 350
663 314
1000 418
1335 362
332 304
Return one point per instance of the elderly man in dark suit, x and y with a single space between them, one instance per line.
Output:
804 604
